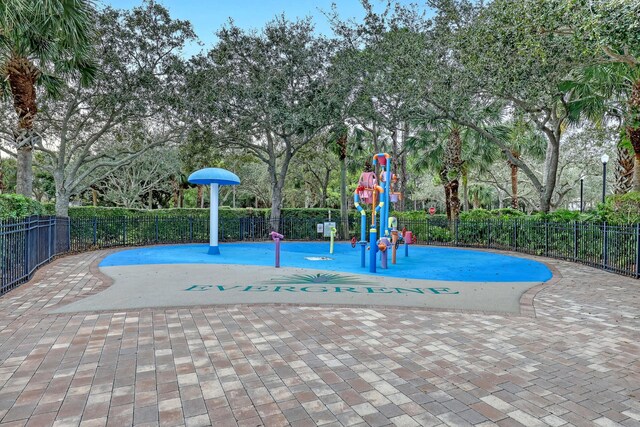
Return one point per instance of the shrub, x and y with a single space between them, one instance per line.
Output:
621 208
507 213
476 214
18 206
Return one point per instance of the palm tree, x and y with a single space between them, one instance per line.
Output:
633 126
481 196
450 152
41 43
624 167
609 90
522 139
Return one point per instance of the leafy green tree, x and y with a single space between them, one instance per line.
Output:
130 185
42 43
134 104
511 62
379 55
267 93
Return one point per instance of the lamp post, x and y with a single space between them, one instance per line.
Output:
581 194
604 160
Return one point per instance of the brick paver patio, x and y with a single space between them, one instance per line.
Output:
576 363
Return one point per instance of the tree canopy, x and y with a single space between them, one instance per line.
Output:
495 103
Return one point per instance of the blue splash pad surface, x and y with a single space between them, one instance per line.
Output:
423 262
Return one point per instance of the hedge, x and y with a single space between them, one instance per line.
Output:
618 209
224 212
18 206
229 213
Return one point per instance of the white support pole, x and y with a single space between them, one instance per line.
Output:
213 221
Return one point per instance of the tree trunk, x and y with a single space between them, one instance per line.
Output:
276 206
465 189
636 172
325 188
175 196
550 172
624 169
514 186
476 200
277 179
453 159
233 202
633 131
22 76
447 200
62 203
344 213
376 145
150 199
94 197
2 186
199 196
344 202
454 199
24 178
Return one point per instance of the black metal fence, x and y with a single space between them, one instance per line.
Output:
96 233
28 243
614 248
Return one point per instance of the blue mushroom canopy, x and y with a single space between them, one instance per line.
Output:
214 176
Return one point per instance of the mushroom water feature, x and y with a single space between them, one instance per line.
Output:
215 177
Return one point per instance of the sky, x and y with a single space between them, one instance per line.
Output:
207 16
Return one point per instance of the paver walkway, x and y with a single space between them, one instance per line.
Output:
576 363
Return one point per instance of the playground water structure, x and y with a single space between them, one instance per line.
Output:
383 235
425 263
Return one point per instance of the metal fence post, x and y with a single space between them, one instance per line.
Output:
95 231
515 235
457 222
546 238
156 229
426 238
124 229
55 235
604 245
50 239
638 251
488 233
575 241
27 225
190 229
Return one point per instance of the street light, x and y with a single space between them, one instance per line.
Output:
604 159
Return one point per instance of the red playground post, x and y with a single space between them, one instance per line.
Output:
276 238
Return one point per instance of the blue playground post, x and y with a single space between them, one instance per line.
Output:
373 237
